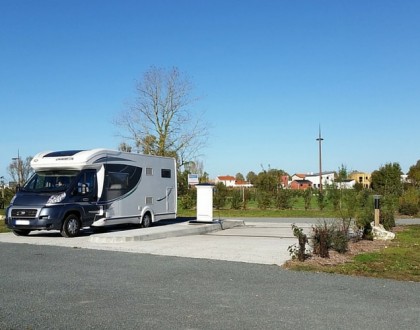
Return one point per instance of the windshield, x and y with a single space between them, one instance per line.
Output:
50 181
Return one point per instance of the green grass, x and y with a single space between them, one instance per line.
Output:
3 228
399 261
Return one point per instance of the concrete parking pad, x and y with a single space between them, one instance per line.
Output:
252 242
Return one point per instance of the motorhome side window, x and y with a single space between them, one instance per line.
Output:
166 173
149 171
120 180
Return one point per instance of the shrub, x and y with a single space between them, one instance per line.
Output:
219 197
408 208
339 241
188 200
307 197
283 199
333 196
246 198
387 217
321 200
367 232
263 200
236 202
321 240
365 214
409 202
329 236
300 251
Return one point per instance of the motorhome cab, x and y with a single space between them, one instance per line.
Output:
78 188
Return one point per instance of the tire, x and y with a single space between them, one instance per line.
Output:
21 232
71 226
146 221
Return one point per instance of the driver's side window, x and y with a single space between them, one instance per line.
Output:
87 183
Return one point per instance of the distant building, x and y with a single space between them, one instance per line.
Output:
346 184
298 176
361 177
230 181
300 184
326 177
285 181
227 180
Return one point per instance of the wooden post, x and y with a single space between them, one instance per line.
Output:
377 209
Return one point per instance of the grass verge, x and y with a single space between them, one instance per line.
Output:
3 228
400 260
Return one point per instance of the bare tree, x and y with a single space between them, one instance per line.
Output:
161 121
20 170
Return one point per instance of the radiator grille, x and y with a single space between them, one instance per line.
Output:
24 213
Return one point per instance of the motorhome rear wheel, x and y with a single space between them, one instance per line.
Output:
147 220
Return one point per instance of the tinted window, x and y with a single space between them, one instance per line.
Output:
166 173
119 180
62 153
87 183
50 181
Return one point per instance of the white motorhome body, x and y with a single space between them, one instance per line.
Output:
102 187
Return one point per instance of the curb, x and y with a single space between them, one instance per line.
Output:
174 230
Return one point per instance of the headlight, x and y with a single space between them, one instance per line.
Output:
56 198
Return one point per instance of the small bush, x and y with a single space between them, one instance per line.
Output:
236 202
220 195
339 241
188 201
284 199
367 232
329 236
246 198
298 252
408 208
307 197
321 200
409 202
263 200
321 240
387 217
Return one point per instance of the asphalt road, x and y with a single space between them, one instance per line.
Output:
50 287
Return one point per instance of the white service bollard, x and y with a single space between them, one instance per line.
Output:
204 202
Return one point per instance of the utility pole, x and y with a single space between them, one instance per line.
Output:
18 167
320 139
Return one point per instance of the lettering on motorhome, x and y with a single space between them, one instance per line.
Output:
64 158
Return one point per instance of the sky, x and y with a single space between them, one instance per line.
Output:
268 74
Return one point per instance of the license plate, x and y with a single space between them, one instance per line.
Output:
22 222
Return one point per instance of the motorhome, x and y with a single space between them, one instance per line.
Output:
73 189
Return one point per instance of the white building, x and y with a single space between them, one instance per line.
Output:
326 177
230 181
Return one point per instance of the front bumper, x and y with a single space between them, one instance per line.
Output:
34 218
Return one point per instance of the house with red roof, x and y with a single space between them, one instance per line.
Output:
230 181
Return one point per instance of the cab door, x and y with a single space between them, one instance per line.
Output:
86 195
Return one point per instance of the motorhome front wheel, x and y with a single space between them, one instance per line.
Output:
71 226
